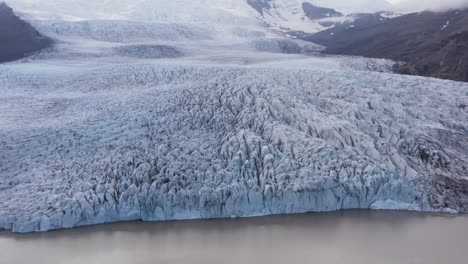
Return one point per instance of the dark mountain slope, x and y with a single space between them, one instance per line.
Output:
432 44
17 37
316 12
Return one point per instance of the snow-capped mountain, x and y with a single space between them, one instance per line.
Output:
315 16
288 15
346 7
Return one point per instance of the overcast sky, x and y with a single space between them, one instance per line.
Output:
430 4
360 5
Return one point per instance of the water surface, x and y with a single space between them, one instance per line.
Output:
351 237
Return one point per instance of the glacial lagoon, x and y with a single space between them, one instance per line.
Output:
352 237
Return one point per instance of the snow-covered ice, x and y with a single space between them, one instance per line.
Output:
130 120
91 143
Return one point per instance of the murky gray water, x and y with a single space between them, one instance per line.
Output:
352 237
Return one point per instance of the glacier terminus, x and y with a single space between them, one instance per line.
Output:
137 115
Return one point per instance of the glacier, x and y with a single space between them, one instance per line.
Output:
88 143
151 119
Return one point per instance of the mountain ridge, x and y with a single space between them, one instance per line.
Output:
430 43
310 17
